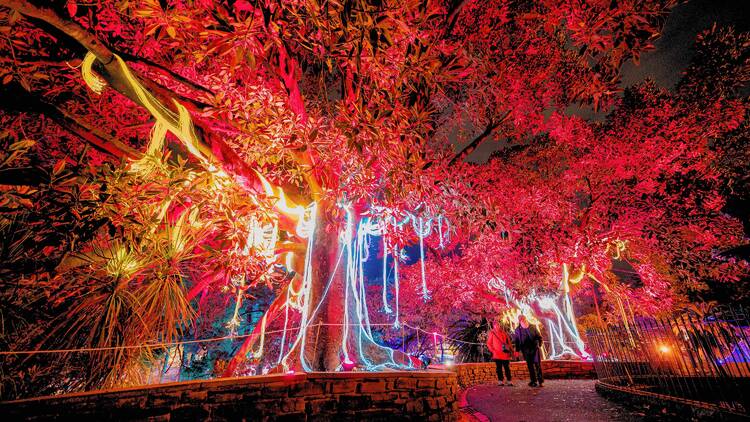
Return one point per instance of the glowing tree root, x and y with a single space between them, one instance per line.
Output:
273 312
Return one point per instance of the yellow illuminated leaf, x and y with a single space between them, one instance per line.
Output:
59 167
22 144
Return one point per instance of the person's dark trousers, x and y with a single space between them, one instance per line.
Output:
501 364
535 369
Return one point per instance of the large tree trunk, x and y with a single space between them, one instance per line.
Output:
324 334
325 306
341 321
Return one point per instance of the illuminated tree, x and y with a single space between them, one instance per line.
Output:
224 129
645 187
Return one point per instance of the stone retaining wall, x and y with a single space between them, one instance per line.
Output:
355 396
469 374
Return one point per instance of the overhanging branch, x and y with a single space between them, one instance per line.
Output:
22 176
165 71
25 101
474 144
211 146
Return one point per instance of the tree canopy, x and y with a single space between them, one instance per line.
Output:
169 165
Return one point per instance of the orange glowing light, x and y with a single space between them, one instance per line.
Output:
286 206
664 348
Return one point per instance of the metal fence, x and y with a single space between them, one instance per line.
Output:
701 358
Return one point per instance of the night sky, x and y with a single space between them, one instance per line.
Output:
673 50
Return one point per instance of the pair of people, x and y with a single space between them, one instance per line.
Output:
527 340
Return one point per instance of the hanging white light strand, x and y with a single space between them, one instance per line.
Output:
396 323
306 227
386 308
421 234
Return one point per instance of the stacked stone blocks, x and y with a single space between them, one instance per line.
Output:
348 396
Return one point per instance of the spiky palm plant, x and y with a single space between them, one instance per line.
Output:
161 295
472 336
119 280
101 311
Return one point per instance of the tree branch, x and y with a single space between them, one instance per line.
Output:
468 149
25 101
592 197
161 91
211 146
22 176
165 71
453 13
92 135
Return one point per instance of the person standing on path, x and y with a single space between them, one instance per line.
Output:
528 341
499 343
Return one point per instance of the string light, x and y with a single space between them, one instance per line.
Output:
234 323
96 83
421 234
258 354
560 327
386 308
396 323
355 285
310 218
348 238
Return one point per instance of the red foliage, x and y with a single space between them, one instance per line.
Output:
364 103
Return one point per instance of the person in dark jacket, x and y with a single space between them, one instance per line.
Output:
528 341
499 343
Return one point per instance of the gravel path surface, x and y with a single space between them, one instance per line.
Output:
558 400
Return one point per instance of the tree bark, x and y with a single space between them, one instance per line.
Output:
325 302
165 71
324 349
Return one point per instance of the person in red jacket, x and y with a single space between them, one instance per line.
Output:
501 346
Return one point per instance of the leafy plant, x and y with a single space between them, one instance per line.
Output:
472 339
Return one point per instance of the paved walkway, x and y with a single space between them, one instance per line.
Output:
558 400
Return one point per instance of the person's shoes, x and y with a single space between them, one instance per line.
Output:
540 385
509 384
500 383
532 384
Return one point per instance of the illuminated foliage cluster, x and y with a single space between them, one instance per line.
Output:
652 177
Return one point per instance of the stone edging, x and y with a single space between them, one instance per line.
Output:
675 406
469 374
295 397
397 395
468 413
